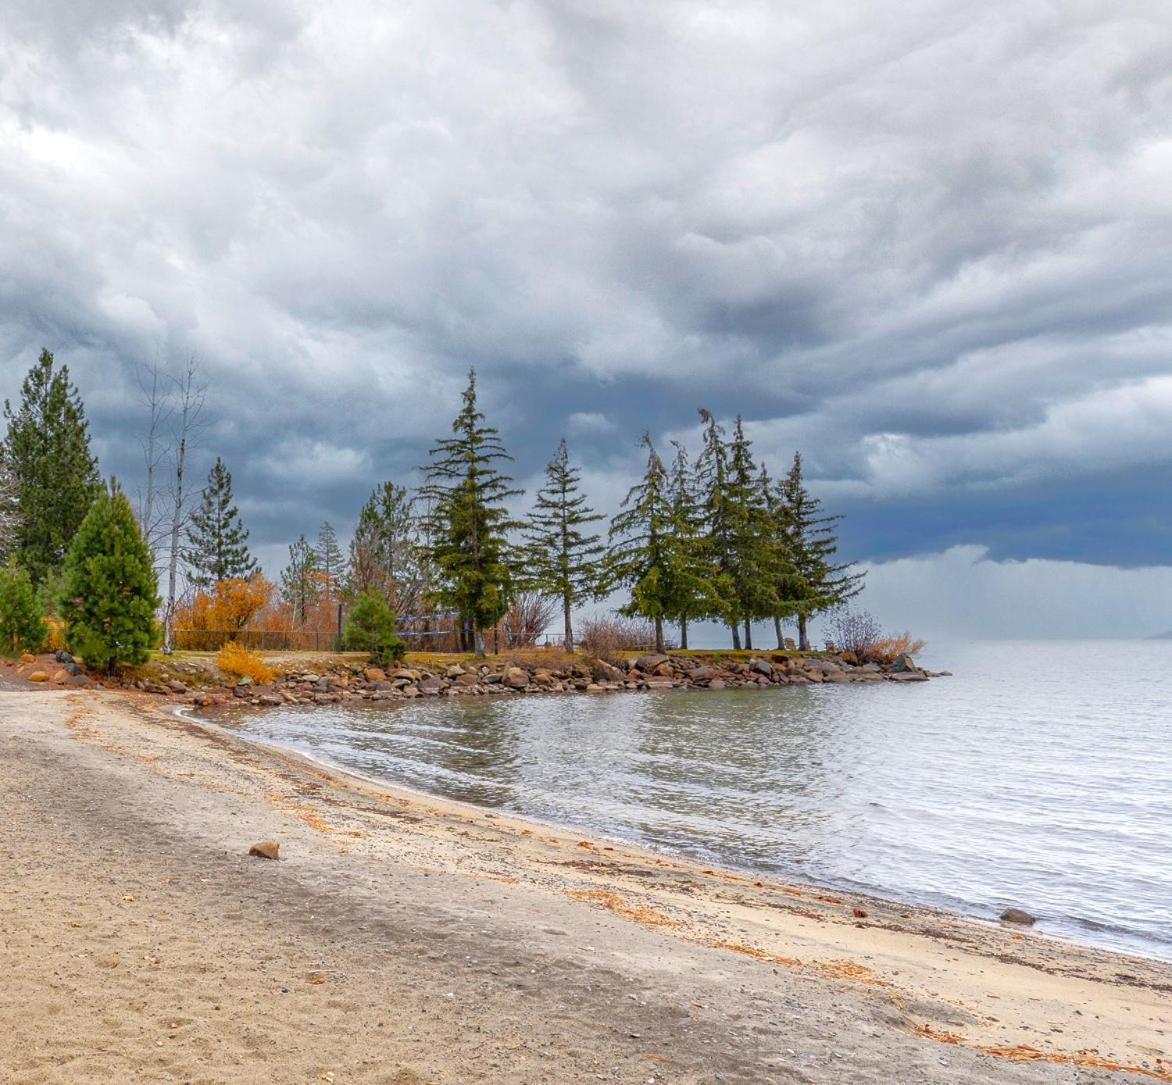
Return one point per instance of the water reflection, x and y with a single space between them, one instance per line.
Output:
1035 777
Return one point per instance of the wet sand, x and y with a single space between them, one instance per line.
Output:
404 939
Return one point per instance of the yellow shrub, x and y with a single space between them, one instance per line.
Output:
890 647
55 638
234 658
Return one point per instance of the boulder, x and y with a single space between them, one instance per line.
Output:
175 686
270 699
648 663
374 674
761 666
515 678
606 672
26 657
39 676
431 685
466 679
660 682
454 671
408 673
1019 916
717 683
265 849
902 662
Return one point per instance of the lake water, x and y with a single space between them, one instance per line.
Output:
1039 776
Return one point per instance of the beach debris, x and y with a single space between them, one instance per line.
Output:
265 849
859 913
1019 916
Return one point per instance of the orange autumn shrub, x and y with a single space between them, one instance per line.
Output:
231 605
235 659
889 648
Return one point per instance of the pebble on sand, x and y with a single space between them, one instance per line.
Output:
265 849
1017 915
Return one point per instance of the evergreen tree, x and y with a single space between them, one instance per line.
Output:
109 586
370 627
686 543
641 556
467 521
719 519
217 540
329 560
386 553
9 507
813 583
754 558
564 561
22 624
300 581
47 452
770 500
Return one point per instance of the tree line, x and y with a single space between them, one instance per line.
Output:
711 539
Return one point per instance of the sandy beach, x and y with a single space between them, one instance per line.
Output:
403 939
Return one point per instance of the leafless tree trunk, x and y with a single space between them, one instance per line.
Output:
777 630
157 399
190 397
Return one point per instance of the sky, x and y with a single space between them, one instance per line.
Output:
923 242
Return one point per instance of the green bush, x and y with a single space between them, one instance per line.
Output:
109 587
370 627
22 626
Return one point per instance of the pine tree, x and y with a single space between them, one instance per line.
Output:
217 539
370 627
468 520
564 562
329 560
770 500
300 582
754 560
813 582
641 555
719 524
387 552
22 623
686 542
109 587
47 451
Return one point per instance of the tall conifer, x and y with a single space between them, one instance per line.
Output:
641 555
467 521
53 471
329 560
686 545
564 561
814 582
217 539
300 580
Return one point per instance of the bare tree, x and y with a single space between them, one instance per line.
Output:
155 389
527 618
190 396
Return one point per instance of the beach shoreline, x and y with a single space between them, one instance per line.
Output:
593 959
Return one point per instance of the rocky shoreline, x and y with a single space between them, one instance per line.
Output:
342 681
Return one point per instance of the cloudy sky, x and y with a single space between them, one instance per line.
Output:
925 242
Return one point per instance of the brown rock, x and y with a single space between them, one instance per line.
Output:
716 683
26 658
1019 916
516 678
374 674
265 849
39 676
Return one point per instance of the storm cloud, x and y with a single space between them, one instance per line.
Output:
924 242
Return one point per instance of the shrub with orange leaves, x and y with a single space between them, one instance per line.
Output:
235 659
232 604
889 648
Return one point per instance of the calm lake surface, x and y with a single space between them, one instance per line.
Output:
1039 776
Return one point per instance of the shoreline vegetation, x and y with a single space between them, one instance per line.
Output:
451 563
403 939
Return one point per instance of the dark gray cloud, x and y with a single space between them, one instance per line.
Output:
925 242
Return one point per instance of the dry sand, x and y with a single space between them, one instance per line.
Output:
402 939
